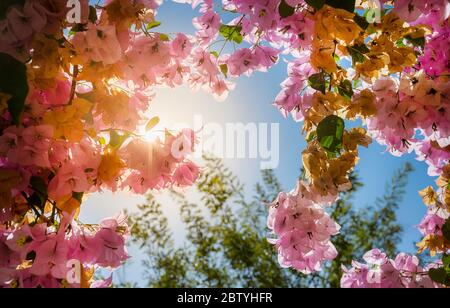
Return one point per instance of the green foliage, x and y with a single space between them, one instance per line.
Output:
13 81
225 241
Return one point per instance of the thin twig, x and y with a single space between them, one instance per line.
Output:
74 84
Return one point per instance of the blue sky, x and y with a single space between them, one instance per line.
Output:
251 102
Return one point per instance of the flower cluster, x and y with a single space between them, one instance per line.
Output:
42 256
21 23
381 272
303 230
436 221
72 123
416 106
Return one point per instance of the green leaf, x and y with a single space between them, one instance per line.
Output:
224 69
92 14
330 133
317 82
311 136
400 43
153 25
164 37
215 54
370 15
102 140
438 275
232 33
116 140
285 9
317 4
417 42
345 89
358 52
361 22
5 4
78 196
38 185
89 96
77 28
446 261
13 81
446 229
348 5
40 195
151 124
31 256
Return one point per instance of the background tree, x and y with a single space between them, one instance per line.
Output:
226 236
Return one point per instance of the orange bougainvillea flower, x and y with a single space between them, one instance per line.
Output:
110 167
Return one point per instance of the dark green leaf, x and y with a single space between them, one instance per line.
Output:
40 195
317 82
13 81
348 5
330 133
361 21
438 275
38 185
78 196
37 200
232 33
446 229
317 4
31 256
417 42
285 9
92 14
345 89
446 261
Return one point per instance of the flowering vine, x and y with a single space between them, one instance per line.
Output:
76 96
